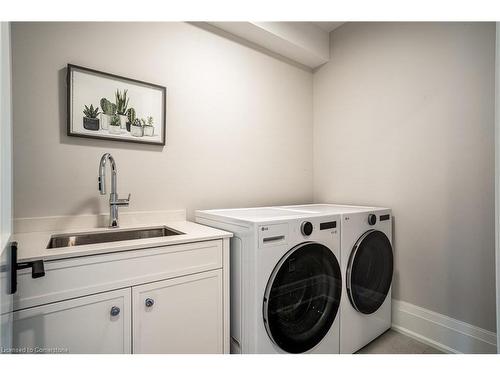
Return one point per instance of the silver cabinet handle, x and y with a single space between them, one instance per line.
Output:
115 311
149 302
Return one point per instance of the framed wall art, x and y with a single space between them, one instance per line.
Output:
107 106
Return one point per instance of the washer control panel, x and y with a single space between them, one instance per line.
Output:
328 225
307 228
319 228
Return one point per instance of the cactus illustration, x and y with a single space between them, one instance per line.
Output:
148 127
107 107
115 120
136 129
91 112
131 115
90 120
121 101
104 105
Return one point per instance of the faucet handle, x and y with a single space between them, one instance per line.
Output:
125 201
121 202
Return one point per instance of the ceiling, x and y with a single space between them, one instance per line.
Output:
328 26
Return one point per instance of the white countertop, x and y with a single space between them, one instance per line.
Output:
33 246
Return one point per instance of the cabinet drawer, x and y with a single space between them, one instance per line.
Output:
94 324
182 315
76 277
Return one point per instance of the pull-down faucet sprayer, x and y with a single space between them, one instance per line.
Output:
114 202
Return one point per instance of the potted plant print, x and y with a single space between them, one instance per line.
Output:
108 110
136 128
90 120
121 102
130 118
148 127
115 125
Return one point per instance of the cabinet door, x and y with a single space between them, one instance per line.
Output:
99 323
181 315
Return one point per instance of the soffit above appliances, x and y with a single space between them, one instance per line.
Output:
307 43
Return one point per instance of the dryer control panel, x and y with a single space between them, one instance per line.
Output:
319 228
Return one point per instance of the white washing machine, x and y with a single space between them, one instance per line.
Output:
285 279
367 268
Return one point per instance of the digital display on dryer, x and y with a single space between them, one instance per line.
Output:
328 225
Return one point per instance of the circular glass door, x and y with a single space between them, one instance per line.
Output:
302 297
369 272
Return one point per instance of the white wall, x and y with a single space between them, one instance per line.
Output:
5 137
497 175
238 121
5 184
404 118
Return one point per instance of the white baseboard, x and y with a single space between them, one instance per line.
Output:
441 331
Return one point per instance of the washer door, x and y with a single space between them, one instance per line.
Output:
369 272
302 297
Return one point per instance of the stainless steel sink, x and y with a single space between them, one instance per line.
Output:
77 239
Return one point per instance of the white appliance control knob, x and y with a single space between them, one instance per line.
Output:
306 228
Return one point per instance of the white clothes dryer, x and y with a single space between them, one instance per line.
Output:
367 264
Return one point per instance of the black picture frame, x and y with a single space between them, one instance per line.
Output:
69 87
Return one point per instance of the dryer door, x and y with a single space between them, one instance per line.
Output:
302 297
369 272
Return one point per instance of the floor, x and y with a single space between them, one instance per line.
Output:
393 342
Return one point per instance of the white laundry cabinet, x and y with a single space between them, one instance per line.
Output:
170 299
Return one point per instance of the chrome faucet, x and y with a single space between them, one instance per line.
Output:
114 202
